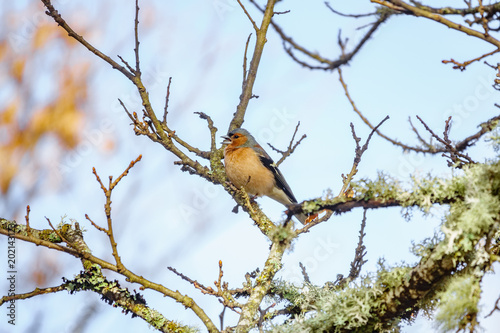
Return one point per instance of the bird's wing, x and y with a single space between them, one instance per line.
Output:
278 177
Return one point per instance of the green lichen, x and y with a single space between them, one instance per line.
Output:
458 305
473 198
352 307
384 187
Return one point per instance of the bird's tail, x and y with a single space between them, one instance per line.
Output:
301 217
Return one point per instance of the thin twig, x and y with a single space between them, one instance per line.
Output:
367 122
161 133
186 278
124 173
221 317
325 63
36 292
136 36
57 232
57 17
291 146
27 218
359 150
213 132
495 308
457 159
243 82
360 252
95 225
130 68
249 17
462 66
107 211
348 15
423 12
419 137
304 273
167 97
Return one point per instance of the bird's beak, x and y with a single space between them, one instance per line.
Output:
227 140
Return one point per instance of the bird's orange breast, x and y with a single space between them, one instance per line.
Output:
244 169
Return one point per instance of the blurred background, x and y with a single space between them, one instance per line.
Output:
60 116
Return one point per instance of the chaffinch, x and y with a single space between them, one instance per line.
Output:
249 166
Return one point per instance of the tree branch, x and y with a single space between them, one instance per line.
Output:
80 250
247 92
291 146
57 17
160 132
36 292
250 311
421 12
486 127
326 64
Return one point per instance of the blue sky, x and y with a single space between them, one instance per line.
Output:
164 217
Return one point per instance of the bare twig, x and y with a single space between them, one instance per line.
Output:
124 173
130 68
486 127
159 132
367 122
58 233
304 273
167 97
348 15
107 210
249 17
36 292
457 159
223 293
221 317
359 255
57 17
136 37
27 218
186 278
213 132
245 73
324 63
462 65
423 12
95 225
495 308
419 137
291 146
359 150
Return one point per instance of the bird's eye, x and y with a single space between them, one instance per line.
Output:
236 136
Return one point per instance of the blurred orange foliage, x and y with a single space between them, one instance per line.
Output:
31 110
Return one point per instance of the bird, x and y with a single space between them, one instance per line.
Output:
249 166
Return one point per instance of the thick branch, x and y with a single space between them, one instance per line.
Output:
249 313
247 92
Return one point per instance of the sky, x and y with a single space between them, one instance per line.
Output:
164 217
